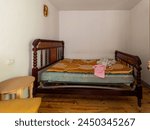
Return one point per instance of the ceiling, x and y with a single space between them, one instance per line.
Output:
94 4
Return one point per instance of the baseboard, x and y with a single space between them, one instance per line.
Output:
145 84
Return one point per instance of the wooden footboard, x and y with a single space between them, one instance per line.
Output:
48 52
135 63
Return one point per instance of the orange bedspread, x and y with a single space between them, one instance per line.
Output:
86 66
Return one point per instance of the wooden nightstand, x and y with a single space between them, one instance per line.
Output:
16 86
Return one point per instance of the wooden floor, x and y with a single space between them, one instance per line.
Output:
60 103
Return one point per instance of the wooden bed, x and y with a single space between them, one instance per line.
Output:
49 52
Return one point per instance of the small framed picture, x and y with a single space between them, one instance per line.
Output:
45 10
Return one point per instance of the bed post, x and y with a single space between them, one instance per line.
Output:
139 86
35 68
62 49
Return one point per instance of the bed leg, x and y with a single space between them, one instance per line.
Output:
139 105
139 97
139 102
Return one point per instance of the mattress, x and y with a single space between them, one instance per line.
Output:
65 77
82 72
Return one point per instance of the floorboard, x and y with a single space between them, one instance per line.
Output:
68 103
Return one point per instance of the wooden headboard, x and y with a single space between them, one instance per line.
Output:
45 53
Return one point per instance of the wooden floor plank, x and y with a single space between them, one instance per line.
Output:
68 103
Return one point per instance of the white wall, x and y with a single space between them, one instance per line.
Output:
93 34
139 35
97 32
22 21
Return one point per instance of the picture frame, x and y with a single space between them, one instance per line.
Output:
45 10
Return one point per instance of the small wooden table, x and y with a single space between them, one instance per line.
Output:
17 85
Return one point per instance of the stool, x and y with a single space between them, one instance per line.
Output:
17 85
29 105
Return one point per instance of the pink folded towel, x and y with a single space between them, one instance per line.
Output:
99 70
